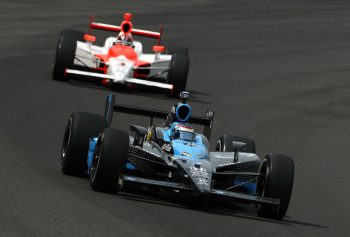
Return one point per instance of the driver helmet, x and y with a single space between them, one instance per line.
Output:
184 132
125 39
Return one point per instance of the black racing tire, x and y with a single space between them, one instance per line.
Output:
176 50
224 144
80 128
277 183
65 53
73 34
178 73
109 161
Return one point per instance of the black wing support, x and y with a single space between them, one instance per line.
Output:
111 107
108 115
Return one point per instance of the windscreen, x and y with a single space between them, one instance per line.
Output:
186 136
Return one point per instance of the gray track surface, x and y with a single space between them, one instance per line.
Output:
275 71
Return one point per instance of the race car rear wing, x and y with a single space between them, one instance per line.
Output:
111 107
114 28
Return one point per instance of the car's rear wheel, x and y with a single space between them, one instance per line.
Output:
65 53
80 128
277 182
176 50
73 34
109 162
224 144
177 75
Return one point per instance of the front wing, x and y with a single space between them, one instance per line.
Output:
200 182
130 80
216 192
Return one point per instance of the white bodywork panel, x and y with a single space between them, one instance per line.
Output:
120 69
130 80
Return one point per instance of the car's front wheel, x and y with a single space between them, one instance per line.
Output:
80 128
109 161
276 182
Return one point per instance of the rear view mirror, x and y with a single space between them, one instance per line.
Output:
158 49
239 146
89 38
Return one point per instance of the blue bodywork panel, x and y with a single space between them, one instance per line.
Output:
188 107
186 149
248 187
92 145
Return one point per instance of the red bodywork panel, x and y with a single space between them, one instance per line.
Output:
130 54
89 38
119 50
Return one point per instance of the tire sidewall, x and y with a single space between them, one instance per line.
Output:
112 154
65 53
81 127
278 184
176 50
178 73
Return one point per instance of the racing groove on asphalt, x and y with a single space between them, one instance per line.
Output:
275 72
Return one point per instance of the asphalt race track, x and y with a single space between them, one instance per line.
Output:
275 71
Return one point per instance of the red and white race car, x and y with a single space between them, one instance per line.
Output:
121 59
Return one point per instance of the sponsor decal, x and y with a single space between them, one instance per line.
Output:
190 144
149 135
166 147
200 175
184 153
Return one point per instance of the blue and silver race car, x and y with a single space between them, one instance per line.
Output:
173 157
